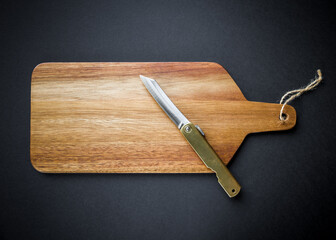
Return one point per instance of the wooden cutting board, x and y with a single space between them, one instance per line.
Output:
100 118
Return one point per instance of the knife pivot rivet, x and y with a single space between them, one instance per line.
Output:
188 129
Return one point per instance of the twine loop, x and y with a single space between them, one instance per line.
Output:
291 95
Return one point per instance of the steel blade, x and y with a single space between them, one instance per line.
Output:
165 103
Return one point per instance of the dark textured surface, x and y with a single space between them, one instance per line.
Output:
288 178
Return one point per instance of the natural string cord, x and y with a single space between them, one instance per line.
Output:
291 95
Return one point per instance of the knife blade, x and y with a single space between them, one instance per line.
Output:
195 137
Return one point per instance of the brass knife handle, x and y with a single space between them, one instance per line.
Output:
210 159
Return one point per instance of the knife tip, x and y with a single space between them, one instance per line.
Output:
146 79
142 77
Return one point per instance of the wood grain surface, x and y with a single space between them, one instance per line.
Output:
100 118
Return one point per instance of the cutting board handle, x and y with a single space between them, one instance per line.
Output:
264 117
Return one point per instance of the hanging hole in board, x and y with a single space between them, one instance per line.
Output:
284 117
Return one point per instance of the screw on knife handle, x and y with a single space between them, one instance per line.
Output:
210 159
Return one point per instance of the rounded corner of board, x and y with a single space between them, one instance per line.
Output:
35 69
38 66
215 64
36 167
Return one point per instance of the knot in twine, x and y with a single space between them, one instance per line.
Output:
291 95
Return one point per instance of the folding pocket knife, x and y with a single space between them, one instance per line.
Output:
195 136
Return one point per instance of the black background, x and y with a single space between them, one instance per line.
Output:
288 178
